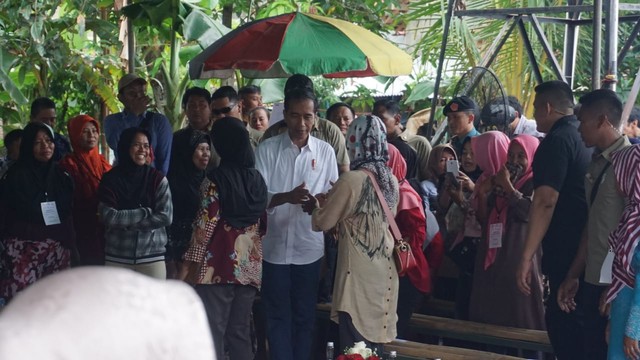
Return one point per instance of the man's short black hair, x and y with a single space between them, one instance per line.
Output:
12 136
558 94
249 90
225 92
40 104
604 101
515 104
333 108
298 94
391 106
635 115
195 91
298 81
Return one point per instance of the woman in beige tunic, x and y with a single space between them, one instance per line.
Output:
366 285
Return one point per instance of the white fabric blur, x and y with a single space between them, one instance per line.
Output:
527 127
105 313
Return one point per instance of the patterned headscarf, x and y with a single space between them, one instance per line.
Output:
368 149
624 239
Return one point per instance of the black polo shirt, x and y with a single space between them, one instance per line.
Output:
561 162
410 157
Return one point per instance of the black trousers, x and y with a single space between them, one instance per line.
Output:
595 324
566 330
409 297
349 335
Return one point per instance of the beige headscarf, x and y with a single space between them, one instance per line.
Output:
434 159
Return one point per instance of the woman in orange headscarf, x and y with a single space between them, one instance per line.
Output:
86 166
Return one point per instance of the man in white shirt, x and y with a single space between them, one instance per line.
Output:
522 125
295 166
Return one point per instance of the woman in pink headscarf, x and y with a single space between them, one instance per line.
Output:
503 200
411 221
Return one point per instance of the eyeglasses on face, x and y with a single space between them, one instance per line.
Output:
224 110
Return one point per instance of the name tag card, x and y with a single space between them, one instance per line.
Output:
50 213
495 236
607 266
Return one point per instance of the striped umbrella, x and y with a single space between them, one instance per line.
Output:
297 43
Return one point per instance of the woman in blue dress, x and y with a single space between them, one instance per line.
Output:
623 294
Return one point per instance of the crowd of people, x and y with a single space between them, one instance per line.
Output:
539 219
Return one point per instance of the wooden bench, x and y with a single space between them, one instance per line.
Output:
412 349
445 328
439 307
526 339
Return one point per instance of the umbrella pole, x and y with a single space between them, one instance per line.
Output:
443 47
131 44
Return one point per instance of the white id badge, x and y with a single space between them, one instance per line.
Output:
495 236
50 213
607 265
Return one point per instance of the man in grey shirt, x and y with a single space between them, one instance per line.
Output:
600 117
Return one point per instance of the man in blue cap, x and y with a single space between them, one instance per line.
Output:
461 113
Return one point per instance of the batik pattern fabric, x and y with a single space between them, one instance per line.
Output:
226 255
23 262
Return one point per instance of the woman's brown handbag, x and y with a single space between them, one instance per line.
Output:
402 253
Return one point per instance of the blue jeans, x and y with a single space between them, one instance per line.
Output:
289 293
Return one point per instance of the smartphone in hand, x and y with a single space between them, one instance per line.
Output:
453 167
453 171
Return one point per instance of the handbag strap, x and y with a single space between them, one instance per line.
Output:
392 221
596 185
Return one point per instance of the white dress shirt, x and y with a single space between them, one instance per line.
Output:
289 238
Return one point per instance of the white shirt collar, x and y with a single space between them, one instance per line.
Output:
312 143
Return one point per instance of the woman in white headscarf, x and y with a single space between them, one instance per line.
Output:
366 285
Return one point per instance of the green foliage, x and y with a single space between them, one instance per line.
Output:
326 90
470 39
164 27
70 50
51 49
361 99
